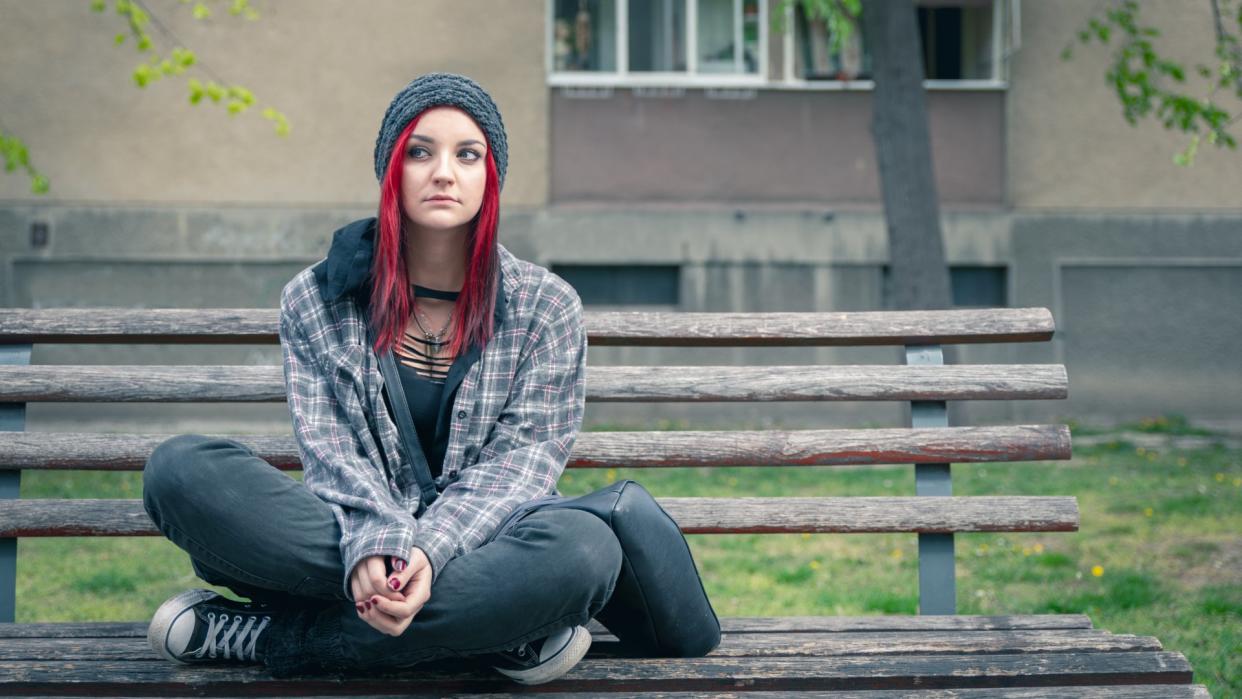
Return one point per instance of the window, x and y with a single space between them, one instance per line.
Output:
957 41
657 35
623 285
664 42
728 36
960 42
978 286
584 35
815 61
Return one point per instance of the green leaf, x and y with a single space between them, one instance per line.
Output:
39 184
236 107
201 11
144 43
98 5
119 39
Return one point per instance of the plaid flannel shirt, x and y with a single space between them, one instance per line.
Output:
514 420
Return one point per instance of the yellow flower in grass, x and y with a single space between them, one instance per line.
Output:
1220 478
1039 548
814 565
1026 550
806 535
896 554
1147 512
611 474
1097 571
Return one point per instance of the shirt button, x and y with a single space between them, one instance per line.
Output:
461 414
452 474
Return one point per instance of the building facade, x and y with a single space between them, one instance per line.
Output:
692 155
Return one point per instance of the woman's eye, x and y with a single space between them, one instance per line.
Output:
413 152
475 154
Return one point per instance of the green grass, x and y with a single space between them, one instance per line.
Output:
1158 552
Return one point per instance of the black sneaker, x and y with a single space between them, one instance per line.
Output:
543 659
199 626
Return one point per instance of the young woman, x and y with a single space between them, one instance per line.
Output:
361 567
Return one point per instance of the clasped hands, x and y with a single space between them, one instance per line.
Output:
389 601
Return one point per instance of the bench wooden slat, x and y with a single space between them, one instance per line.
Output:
128 452
631 675
182 384
244 326
1152 691
819 644
734 624
118 517
1130 691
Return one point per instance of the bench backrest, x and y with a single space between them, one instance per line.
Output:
924 381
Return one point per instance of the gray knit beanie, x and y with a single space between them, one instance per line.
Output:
442 89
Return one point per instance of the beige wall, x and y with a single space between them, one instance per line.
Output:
332 66
1070 148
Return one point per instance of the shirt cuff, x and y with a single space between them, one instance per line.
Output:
392 542
438 546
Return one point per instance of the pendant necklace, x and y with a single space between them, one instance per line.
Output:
435 340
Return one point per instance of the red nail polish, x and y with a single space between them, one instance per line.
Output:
375 601
361 608
398 565
394 583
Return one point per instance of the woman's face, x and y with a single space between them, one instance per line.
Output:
445 170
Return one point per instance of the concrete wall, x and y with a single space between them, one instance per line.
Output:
1068 145
332 66
1145 305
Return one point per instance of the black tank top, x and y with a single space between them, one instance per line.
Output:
422 378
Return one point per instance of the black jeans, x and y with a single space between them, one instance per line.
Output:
249 527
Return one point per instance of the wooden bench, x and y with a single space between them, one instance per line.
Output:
877 656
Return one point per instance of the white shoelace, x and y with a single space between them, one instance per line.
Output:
236 639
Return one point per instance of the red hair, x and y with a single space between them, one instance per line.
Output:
392 296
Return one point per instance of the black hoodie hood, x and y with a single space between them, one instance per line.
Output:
347 268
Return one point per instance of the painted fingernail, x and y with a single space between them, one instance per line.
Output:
375 601
394 583
368 605
398 565
361 608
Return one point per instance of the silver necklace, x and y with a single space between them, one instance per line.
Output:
434 341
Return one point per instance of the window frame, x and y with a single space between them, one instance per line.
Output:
622 77
1001 10
1004 11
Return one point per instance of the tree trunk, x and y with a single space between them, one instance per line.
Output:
918 276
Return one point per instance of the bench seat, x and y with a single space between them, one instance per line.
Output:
1042 655
937 653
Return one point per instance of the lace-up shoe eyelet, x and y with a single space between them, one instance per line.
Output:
201 626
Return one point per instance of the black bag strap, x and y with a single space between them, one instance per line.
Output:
400 409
